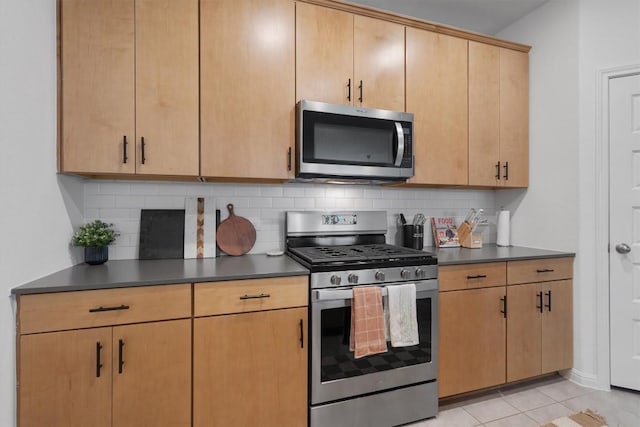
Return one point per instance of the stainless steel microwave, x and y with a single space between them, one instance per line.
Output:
345 143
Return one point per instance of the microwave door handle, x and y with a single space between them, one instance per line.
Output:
400 152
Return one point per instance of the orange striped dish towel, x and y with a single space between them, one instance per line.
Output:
367 322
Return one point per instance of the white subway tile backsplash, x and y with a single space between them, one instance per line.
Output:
164 202
304 203
335 192
260 202
271 191
247 190
314 192
120 202
282 202
99 201
114 188
293 190
126 201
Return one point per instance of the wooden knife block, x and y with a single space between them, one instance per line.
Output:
467 238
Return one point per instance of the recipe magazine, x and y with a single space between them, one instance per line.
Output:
445 232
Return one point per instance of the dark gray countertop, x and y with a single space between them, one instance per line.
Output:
127 273
491 253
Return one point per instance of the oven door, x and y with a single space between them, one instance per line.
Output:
336 374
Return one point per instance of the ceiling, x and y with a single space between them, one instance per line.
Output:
482 16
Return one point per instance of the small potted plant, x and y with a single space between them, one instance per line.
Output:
95 237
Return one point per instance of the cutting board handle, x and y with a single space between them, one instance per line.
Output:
230 209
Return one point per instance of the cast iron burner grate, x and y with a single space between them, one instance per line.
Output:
350 253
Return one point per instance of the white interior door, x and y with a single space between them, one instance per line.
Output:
624 230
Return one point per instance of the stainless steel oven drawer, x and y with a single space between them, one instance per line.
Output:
399 406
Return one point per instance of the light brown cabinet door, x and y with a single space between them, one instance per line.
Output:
484 114
324 55
60 382
152 374
557 326
378 64
436 92
97 86
167 87
514 117
524 332
247 87
471 340
250 369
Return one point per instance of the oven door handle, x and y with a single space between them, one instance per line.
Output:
400 152
347 293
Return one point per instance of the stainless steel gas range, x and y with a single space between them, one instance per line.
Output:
344 250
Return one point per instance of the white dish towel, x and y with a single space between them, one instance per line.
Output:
403 320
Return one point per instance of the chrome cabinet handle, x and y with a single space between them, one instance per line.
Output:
623 248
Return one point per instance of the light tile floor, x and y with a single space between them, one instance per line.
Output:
535 403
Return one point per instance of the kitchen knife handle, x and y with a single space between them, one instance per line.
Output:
98 358
120 355
349 90
301 334
360 87
504 306
539 307
498 170
142 160
506 171
477 276
255 296
548 305
124 149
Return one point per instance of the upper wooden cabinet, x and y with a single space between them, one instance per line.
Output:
437 96
498 116
348 59
247 88
129 87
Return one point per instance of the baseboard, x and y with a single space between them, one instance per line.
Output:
584 379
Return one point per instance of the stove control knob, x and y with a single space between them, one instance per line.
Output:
379 276
352 278
419 273
335 280
405 274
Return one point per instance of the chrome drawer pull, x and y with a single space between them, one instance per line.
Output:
100 309
545 270
255 296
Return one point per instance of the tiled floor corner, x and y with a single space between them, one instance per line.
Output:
535 403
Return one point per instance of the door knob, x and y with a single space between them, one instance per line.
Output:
623 248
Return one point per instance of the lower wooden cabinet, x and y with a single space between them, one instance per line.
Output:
491 333
250 369
130 375
250 352
471 342
540 334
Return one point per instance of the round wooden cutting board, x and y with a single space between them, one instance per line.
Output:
235 235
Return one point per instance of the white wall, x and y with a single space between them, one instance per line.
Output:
572 41
550 202
609 37
38 208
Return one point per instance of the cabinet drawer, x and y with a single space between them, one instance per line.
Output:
539 270
238 296
469 276
87 309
